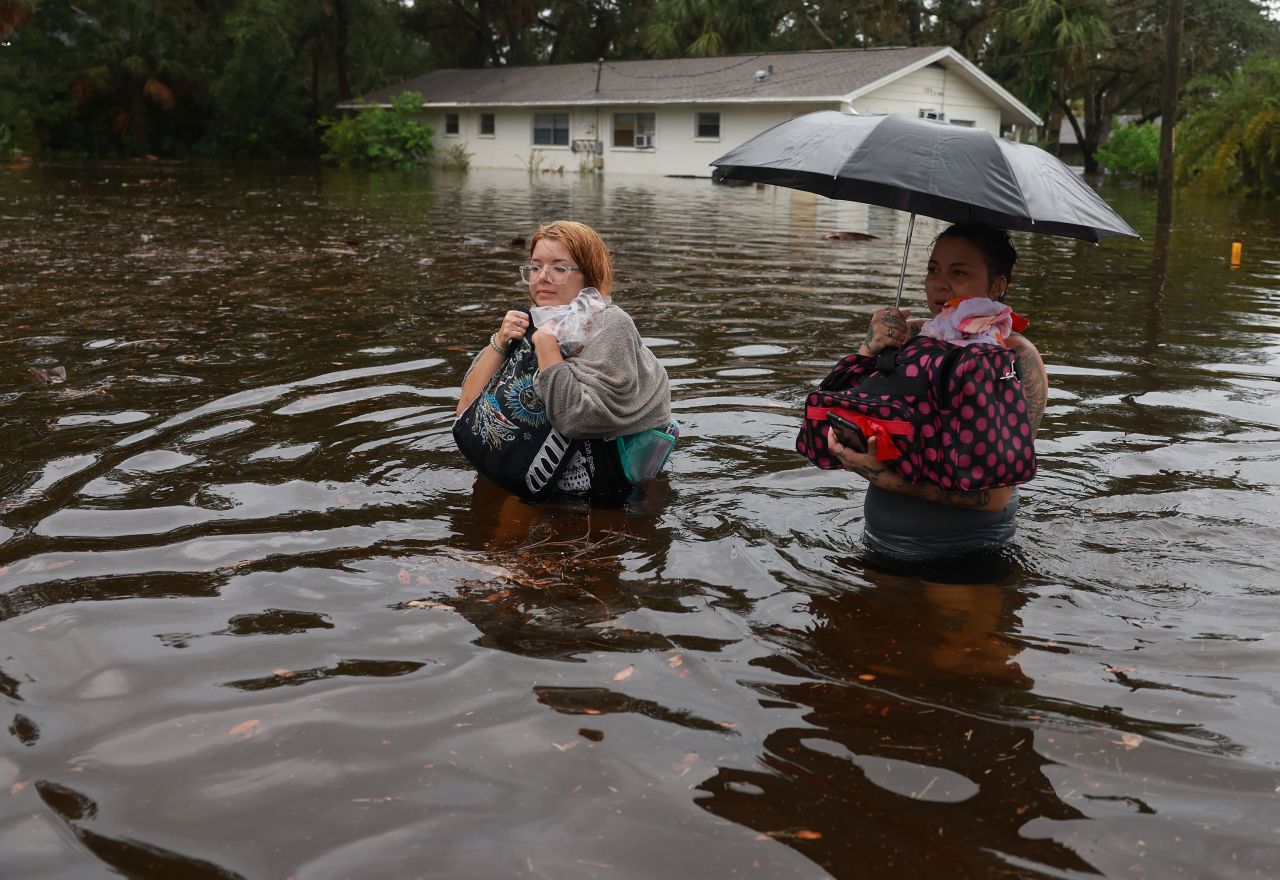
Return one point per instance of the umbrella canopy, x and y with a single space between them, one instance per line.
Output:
949 172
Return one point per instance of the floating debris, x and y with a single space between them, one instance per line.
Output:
50 375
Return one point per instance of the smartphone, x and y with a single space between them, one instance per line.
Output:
848 433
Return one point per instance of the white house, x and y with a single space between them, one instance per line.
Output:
674 116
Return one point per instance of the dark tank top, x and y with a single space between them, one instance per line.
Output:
909 528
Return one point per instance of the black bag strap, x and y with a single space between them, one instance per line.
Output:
896 385
887 380
513 346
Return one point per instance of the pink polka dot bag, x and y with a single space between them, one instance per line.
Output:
954 415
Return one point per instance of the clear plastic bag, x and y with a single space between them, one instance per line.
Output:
572 324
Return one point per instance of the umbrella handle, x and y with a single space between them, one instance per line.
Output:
902 275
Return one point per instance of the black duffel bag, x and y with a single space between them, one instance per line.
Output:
506 434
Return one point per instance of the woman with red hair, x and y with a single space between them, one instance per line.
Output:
611 387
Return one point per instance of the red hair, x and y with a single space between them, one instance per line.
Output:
585 246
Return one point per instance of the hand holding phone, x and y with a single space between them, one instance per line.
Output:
849 434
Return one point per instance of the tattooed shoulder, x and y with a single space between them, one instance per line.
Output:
1035 381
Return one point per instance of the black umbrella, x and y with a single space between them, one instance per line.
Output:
922 166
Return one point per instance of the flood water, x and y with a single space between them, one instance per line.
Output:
258 619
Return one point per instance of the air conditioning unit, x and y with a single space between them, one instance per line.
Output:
644 141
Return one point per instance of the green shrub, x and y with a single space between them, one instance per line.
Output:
379 137
455 158
1133 151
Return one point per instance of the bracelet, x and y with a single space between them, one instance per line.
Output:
493 343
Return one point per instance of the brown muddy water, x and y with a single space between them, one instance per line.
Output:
258 620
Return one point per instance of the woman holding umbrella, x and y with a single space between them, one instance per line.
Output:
965 175
921 520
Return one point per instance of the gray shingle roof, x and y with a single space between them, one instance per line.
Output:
796 76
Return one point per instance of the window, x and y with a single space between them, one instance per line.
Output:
551 129
633 130
708 125
451 123
933 114
487 126
963 123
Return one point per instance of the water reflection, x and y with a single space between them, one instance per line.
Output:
131 858
913 759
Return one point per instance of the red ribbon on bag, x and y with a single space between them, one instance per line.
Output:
882 429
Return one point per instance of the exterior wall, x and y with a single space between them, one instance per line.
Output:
512 139
676 150
511 144
934 88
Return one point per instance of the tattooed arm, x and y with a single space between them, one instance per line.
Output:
864 464
1035 381
888 328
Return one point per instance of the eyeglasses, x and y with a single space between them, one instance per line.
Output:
552 274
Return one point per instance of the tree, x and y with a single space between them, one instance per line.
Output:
104 77
851 24
260 100
291 61
15 14
1229 140
29 99
478 33
1059 44
682 28
252 77
231 77
1089 61
964 25
585 30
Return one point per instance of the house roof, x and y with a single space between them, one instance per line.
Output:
766 77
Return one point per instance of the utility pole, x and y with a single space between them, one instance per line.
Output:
1168 112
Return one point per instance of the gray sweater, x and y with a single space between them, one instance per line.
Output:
613 387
